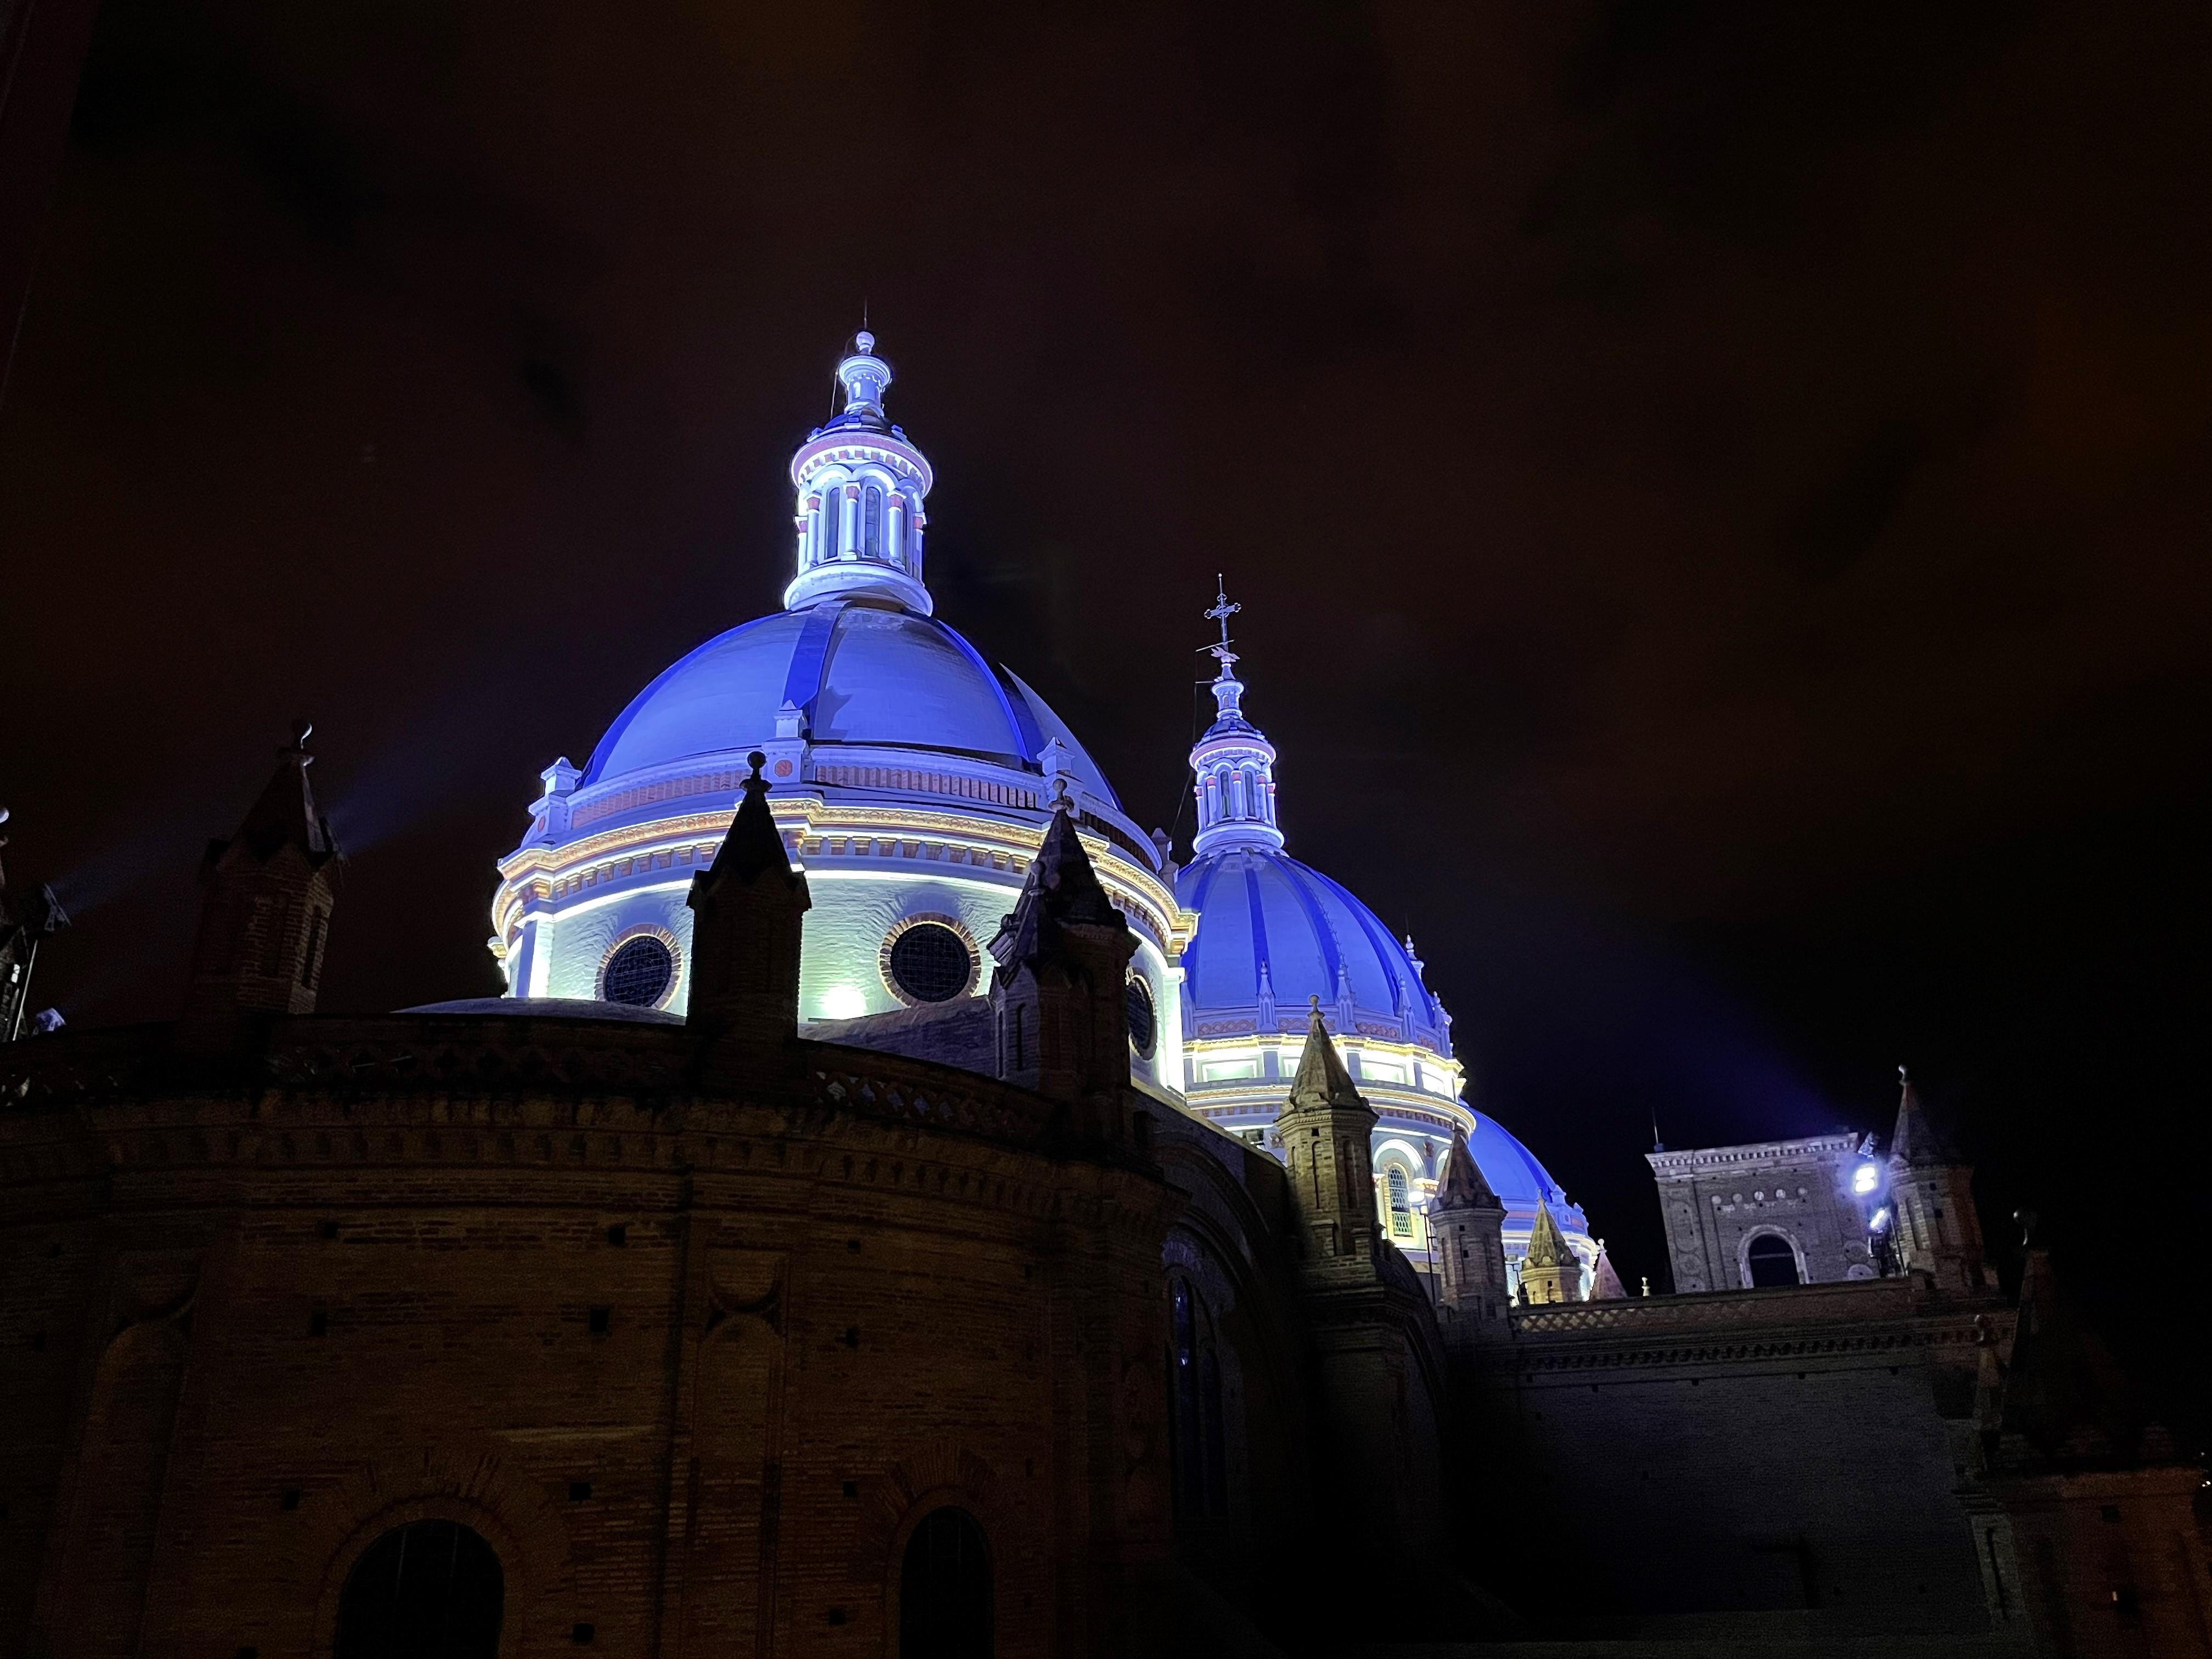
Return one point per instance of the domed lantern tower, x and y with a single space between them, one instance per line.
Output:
1273 934
861 488
911 779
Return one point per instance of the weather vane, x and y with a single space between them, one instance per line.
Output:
1223 610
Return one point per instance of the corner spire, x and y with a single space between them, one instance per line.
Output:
1605 1278
1548 1245
1551 1271
1914 1142
1233 764
1464 1186
1322 1079
1059 997
747 919
270 891
861 484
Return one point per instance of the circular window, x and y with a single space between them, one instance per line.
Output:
639 972
1144 1021
929 962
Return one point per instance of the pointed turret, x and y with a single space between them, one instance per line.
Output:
1466 1242
271 889
747 909
1325 1128
1060 993
1605 1278
1931 1190
1551 1271
1914 1144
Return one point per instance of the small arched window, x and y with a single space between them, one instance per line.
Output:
871 522
944 1589
1401 1202
432 1590
1771 1262
832 495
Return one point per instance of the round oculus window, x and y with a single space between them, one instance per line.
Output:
1143 1019
930 962
640 973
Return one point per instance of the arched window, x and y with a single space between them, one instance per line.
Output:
1771 1260
832 495
871 522
944 1589
432 1590
1197 1446
1401 1202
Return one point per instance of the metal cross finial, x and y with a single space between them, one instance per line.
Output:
1223 609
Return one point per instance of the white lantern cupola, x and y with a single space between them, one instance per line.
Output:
1233 765
860 485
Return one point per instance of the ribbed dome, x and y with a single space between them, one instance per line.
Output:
1259 906
861 675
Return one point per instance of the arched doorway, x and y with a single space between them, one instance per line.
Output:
1770 1260
944 1589
432 1590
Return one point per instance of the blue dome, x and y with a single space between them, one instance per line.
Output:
1517 1178
860 675
1257 905
1260 905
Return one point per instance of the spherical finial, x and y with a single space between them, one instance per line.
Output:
864 343
757 760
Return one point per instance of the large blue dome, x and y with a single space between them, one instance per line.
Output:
861 675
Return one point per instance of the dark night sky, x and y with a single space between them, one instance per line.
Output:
1720 496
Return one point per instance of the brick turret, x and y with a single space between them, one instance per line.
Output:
1465 1226
747 914
1325 1128
1059 996
1551 1271
267 916
1931 1189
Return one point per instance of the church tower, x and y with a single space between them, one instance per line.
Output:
1932 1188
1465 1229
267 914
747 909
1551 1271
1325 1128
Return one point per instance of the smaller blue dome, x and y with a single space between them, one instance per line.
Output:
1517 1178
1259 907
